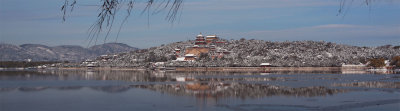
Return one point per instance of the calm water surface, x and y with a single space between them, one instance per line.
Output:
72 90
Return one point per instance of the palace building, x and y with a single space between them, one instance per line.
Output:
211 39
210 44
200 40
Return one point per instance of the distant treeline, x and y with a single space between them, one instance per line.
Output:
14 64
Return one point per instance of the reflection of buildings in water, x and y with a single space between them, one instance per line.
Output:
354 72
368 72
371 84
89 72
383 72
158 73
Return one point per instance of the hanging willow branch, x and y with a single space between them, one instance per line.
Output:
344 5
108 12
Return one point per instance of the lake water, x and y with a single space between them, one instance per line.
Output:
80 90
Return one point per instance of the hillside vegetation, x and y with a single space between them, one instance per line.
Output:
246 53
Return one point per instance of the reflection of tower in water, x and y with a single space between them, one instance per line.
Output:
205 101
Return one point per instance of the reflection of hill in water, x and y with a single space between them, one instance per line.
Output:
239 90
217 90
111 89
142 76
31 89
132 76
198 84
70 88
205 90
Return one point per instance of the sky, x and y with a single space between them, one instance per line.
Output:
40 22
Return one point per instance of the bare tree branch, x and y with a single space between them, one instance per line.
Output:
108 13
344 5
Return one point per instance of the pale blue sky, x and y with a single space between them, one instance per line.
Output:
39 21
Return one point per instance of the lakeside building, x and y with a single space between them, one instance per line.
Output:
265 65
352 68
107 57
180 59
354 65
190 57
89 63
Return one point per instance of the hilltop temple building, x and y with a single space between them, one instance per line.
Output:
200 40
210 45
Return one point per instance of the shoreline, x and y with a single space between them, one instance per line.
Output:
244 69
342 70
262 69
236 69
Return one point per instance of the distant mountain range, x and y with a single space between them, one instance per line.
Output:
72 53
